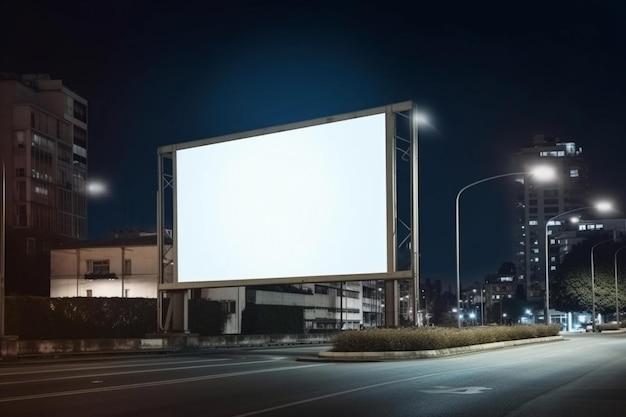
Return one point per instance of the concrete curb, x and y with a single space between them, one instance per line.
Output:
423 354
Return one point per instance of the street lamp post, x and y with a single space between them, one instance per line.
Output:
3 224
602 206
541 172
593 285
616 289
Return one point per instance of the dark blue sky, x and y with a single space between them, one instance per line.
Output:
489 76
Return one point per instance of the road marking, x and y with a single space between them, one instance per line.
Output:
61 378
92 368
153 384
381 384
458 390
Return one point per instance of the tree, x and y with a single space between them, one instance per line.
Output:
571 290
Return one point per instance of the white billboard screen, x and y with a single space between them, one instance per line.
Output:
304 202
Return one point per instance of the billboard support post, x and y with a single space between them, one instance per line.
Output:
415 217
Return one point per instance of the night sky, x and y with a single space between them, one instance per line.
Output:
488 75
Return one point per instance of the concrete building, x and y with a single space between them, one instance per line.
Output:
122 265
538 202
43 145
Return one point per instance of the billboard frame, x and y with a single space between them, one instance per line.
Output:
167 210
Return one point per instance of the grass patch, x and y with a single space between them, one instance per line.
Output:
428 338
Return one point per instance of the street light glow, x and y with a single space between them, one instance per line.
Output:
604 206
96 188
421 119
544 173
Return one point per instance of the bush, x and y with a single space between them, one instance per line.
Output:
428 338
608 326
33 318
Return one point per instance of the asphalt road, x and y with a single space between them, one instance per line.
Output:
584 375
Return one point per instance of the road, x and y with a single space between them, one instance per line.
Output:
584 375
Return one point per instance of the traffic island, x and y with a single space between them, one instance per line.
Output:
431 353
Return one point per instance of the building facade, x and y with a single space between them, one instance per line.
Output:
538 203
43 145
122 265
126 265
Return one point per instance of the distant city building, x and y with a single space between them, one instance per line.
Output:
568 233
538 202
43 144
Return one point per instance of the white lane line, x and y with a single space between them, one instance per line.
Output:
380 384
92 368
153 384
144 371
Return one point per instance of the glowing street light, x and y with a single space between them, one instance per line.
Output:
601 206
96 188
541 173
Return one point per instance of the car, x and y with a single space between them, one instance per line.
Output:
587 326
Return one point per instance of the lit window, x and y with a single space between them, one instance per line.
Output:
553 268
582 227
41 190
533 223
535 250
573 173
599 226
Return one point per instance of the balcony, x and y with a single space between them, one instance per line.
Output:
96 275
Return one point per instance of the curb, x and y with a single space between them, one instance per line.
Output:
425 354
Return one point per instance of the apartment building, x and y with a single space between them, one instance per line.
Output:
43 146
540 203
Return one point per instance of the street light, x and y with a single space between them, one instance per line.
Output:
3 223
601 206
542 173
593 285
616 293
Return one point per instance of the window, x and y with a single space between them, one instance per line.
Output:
89 293
22 215
573 173
320 289
552 267
30 245
533 223
98 267
80 111
127 267
228 307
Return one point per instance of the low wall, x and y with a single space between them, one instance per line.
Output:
157 343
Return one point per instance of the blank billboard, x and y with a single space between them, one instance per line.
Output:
304 202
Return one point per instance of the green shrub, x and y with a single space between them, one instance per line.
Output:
33 318
428 338
608 326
